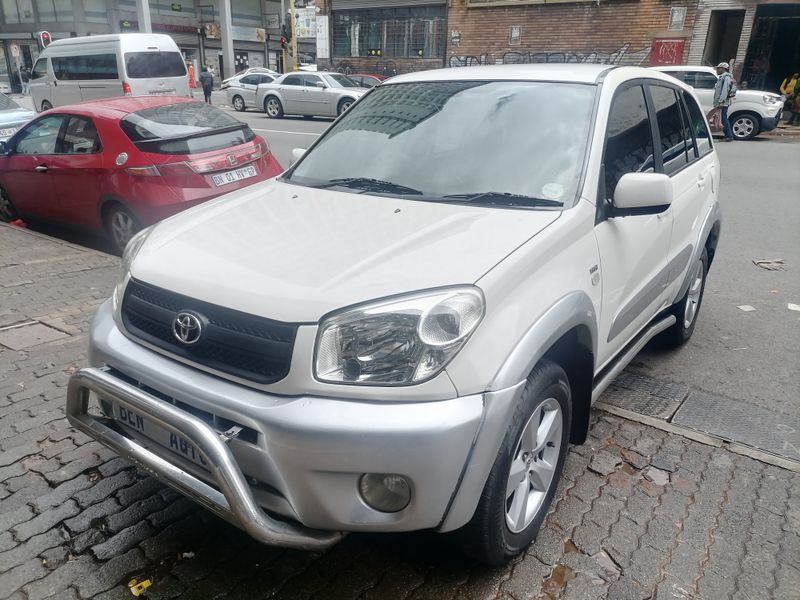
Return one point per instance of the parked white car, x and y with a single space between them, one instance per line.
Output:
71 70
242 91
319 94
226 83
12 117
751 111
406 329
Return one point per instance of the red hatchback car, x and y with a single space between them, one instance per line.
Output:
120 164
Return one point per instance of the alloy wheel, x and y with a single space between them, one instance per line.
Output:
693 297
123 228
345 105
743 127
7 212
533 465
272 107
238 104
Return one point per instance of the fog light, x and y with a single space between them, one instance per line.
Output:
386 492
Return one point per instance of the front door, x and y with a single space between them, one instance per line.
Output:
317 99
633 249
26 174
292 94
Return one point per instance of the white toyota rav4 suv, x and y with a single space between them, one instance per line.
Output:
405 330
751 111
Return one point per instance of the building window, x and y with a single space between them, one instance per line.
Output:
57 11
396 33
18 11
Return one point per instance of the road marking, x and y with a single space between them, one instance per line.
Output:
289 132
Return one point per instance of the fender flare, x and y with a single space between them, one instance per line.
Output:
711 227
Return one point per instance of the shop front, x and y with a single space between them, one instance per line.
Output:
17 50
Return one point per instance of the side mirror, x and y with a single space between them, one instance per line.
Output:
297 154
320 84
642 193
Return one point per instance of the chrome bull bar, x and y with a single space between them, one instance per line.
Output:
235 502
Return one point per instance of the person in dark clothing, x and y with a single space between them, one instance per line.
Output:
207 81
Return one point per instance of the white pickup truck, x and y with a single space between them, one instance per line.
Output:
751 111
407 328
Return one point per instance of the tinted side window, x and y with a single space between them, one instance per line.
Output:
80 137
41 137
698 121
249 80
312 80
704 81
670 127
680 76
293 80
264 79
87 67
39 69
691 151
629 140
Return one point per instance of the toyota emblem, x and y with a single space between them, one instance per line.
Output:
187 328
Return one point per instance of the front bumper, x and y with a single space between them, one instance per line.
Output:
770 123
306 458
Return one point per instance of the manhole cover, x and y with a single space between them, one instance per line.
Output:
19 337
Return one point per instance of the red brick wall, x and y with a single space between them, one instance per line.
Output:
613 31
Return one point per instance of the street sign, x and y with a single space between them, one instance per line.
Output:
14 50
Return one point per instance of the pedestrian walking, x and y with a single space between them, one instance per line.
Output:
25 77
207 81
724 92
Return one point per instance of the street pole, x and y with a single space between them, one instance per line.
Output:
293 13
282 25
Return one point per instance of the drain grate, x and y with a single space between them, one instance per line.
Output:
26 335
645 395
741 422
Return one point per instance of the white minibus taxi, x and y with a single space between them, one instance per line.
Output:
103 66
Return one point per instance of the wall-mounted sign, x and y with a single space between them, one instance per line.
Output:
323 47
374 52
677 18
248 34
667 51
273 21
515 35
455 39
306 22
175 7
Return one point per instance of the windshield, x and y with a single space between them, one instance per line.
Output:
510 143
337 80
7 103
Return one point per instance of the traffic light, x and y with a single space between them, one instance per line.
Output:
284 42
45 39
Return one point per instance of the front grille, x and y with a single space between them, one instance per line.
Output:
232 342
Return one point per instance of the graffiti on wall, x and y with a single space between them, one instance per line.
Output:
621 56
381 67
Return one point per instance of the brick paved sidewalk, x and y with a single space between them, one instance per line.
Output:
639 514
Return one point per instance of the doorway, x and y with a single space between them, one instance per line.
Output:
724 32
774 50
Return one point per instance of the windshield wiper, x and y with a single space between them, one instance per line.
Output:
501 199
368 185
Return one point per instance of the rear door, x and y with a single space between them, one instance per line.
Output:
703 83
633 249
98 76
247 89
26 174
260 80
153 72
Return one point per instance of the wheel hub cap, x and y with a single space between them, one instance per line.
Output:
533 465
743 127
693 296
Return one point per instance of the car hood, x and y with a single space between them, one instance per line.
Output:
294 254
753 95
16 115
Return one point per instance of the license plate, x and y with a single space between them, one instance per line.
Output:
174 442
160 92
8 132
234 176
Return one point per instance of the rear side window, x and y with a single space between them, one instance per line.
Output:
184 128
703 80
85 67
265 79
671 134
698 122
629 139
249 80
149 65
39 69
80 137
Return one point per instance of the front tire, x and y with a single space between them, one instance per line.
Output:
688 308
525 474
121 225
238 104
273 107
7 211
745 125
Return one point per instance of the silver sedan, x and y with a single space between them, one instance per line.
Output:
308 94
241 91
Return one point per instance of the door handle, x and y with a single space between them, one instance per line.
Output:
701 181
41 169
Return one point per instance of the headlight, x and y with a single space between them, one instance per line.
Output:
400 341
768 99
128 255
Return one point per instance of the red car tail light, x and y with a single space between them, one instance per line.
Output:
126 89
229 160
